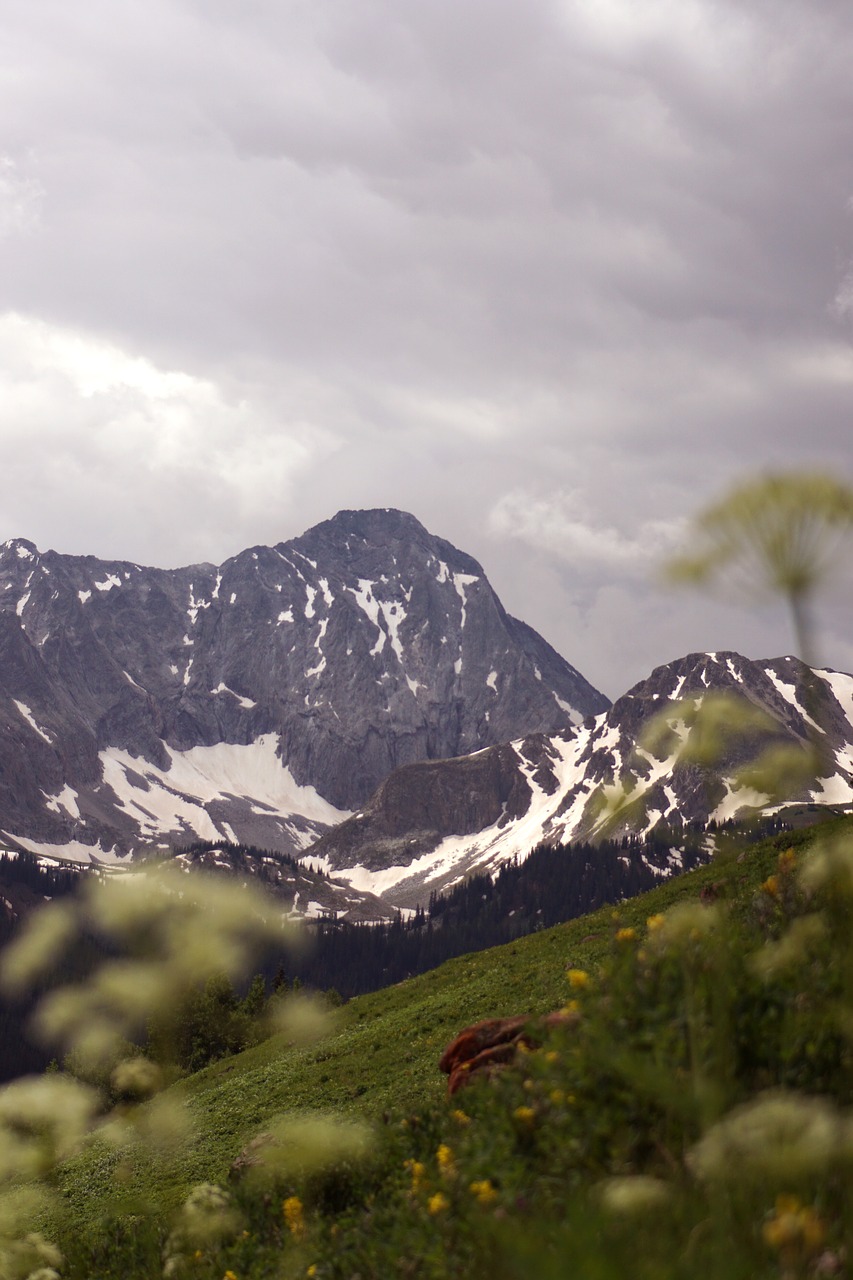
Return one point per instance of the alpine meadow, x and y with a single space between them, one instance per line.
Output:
659 1088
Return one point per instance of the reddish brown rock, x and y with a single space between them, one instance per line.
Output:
480 1049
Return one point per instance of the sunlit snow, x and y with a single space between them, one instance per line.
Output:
244 702
165 800
30 719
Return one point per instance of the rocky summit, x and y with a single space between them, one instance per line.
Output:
262 700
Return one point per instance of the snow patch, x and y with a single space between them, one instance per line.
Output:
65 799
244 702
394 613
286 615
195 605
574 715
21 605
789 693
110 581
174 799
71 851
460 582
842 690
312 595
492 681
83 596
30 719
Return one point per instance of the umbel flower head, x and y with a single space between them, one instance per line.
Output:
777 1135
779 534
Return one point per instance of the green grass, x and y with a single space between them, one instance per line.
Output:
383 1056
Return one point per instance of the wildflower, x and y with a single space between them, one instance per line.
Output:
778 1133
198 1256
687 923
771 886
229 1275
626 935
552 1056
573 1006
294 1216
483 1192
630 1195
460 1117
444 1156
795 1231
438 1203
557 1097
578 979
525 1115
206 1215
418 1172
787 861
312 1270
653 923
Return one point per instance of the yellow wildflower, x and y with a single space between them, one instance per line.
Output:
525 1115
795 1231
229 1275
571 1007
438 1203
483 1192
294 1216
552 1056
418 1172
444 1156
653 923
460 1117
578 979
198 1255
557 1097
771 886
787 861
626 935
312 1270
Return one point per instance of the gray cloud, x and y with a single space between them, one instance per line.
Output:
549 276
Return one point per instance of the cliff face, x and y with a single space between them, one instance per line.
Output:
261 700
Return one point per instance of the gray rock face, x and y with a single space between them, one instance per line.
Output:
259 700
429 825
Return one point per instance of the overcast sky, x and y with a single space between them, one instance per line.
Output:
549 274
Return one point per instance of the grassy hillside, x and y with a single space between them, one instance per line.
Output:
382 1057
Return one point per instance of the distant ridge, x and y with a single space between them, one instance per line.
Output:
431 824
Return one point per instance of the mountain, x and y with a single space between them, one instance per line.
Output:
259 701
429 825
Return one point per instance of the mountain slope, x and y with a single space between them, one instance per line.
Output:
429 825
259 701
